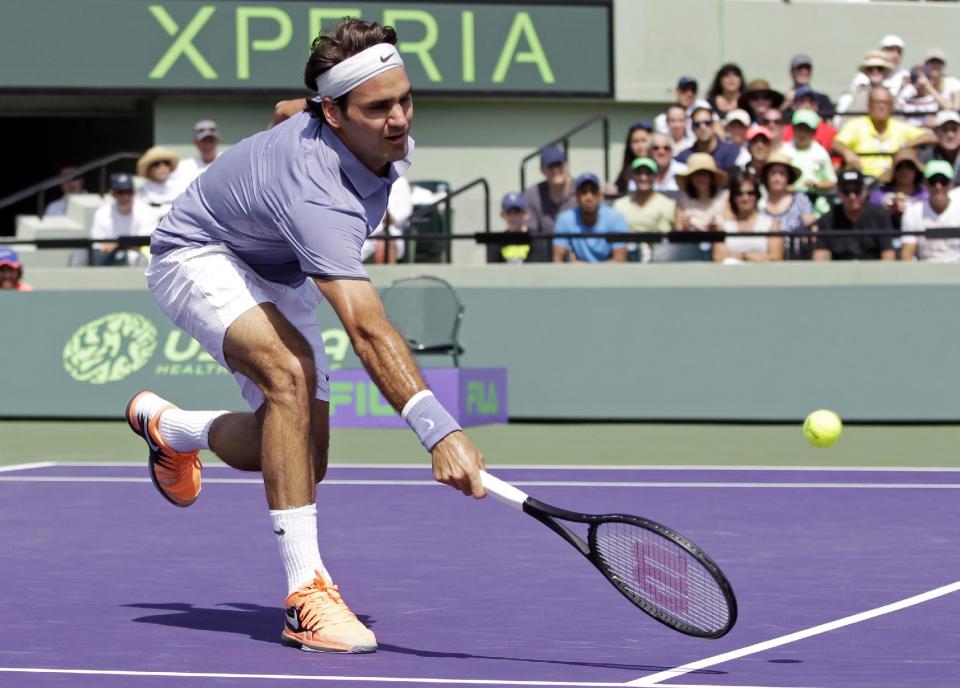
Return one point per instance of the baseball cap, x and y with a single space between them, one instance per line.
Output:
807 118
737 115
205 128
758 130
121 181
514 200
945 116
587 178
552 155
892 41
804 92
850 178
646 163
936 54
801 60
9 257
939 167
686 83
702 105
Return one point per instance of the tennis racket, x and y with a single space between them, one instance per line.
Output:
654 567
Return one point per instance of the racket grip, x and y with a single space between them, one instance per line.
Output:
503 491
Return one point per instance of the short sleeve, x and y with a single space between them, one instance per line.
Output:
618 223
849 133
326 241
912 221
564 224
102 228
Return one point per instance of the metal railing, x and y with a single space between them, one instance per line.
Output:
565 140
41 187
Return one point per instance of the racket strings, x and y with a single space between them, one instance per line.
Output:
662 576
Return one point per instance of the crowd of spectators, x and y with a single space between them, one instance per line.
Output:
745 158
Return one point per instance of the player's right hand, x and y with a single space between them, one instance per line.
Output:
457 463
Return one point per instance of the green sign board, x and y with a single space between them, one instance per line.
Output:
448 47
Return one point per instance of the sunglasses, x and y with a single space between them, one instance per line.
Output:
660 148
702 123
773 121
165 163
851 191
938 180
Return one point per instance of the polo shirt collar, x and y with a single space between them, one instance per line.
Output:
364 181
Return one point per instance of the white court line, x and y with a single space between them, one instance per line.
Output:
580 467
656 679
348 679
27 466
519 483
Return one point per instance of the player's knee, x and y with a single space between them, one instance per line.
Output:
292 380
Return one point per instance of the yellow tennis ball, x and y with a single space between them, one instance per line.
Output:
822 428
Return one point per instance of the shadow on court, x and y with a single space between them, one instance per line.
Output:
264 624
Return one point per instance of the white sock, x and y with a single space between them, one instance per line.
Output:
296 531
187 431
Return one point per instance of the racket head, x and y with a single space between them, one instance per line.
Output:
664 574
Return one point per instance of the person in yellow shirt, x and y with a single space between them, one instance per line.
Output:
877 132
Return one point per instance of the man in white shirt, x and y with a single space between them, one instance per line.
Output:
126 215
938 211
206 137
395 222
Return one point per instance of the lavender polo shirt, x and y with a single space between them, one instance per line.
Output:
291 201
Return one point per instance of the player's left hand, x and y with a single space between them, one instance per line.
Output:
457 463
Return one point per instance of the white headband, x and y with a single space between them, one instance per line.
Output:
347 75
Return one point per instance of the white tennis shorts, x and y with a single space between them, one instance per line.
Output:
204 290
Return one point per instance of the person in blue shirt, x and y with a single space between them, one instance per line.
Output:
590 216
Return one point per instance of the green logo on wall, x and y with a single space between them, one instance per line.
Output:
110 348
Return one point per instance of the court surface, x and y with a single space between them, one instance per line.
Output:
845 577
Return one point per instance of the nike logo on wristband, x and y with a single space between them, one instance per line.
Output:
430 424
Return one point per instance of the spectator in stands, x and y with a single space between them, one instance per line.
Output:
744 199
919 102
591 216
938 211
726 89
157 166
686 95
877 132
702 203
554 194
892 47
206 137
125 216
801 73
900 186
773 120
854 213
74 185
646 210
735 124
515 213
947 86
667 167
948 140
636 145
11 271
758 98
758 145
678 128
395 223
703 122
805 99
789 210
874 70
808 156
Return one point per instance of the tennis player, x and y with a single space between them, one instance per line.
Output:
242 261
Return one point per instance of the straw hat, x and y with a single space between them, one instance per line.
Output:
875 58
760 86
778 158
701 162
156 154
907 155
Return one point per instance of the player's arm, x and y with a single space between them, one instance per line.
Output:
386 356
286 109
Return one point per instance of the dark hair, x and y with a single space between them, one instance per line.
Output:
623 178
346 39
715 88
738 180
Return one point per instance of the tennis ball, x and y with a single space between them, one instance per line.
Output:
822 428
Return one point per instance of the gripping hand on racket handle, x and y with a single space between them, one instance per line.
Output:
457 462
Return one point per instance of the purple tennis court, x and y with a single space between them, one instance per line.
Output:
105 584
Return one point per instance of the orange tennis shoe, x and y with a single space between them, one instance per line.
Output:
175 474
318 620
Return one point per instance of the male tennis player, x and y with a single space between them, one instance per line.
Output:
241 262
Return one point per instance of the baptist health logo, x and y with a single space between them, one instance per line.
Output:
115 346
110 348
